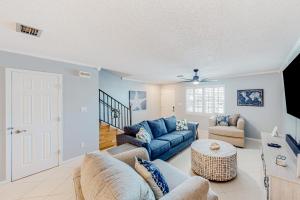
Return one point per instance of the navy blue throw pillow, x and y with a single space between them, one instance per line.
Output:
132 130
156 175
158 127
170 123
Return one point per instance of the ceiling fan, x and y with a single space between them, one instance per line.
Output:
195 80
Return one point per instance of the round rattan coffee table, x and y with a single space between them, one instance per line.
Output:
215 165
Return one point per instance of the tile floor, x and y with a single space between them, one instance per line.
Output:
248 185
56 183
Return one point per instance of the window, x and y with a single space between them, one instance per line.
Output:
206 99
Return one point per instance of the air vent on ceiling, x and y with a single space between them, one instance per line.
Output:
28 30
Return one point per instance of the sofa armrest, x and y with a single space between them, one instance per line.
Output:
129 156
123 138
241 124
194 188
77 184
193 126
212 121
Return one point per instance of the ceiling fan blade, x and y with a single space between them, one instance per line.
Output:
208 80
185 81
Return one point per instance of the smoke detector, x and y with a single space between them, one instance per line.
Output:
28 30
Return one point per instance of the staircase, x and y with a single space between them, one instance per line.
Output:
113 117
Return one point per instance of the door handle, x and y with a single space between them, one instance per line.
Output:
20 131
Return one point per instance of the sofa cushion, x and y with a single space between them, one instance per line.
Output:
186 134
104 177
158 147
233 119
158 127
153 176
211 195
174 177
229 131
132 130
170 123
174 139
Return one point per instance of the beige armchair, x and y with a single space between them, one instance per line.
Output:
103 177
234 133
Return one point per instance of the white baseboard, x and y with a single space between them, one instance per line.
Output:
254 139
4 182
71 159
77 157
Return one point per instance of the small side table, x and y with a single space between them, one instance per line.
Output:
215 165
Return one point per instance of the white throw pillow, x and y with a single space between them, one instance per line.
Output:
181 125
143 135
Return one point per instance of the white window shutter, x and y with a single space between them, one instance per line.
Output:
206 99
189 100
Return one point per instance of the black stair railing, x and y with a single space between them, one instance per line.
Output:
113 112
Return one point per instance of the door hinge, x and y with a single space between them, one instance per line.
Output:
58 152
58 119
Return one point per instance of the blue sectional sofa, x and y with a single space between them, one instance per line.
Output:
166 141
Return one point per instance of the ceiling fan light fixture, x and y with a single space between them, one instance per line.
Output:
196 82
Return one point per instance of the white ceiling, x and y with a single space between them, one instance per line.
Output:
155 40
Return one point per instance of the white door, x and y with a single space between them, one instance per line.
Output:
167 102
35 109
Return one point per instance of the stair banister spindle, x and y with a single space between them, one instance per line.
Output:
122 117
115 120
100 106
107 111
127 117
110 109
119 117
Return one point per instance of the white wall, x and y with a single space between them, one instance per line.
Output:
257 118
112 84
77 127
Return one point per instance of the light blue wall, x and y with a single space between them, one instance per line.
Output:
257 118
77 92
113 85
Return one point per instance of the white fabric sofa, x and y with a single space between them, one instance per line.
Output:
233 134
103 177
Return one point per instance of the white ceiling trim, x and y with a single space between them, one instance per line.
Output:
218 78
52 59
250 74
291 56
